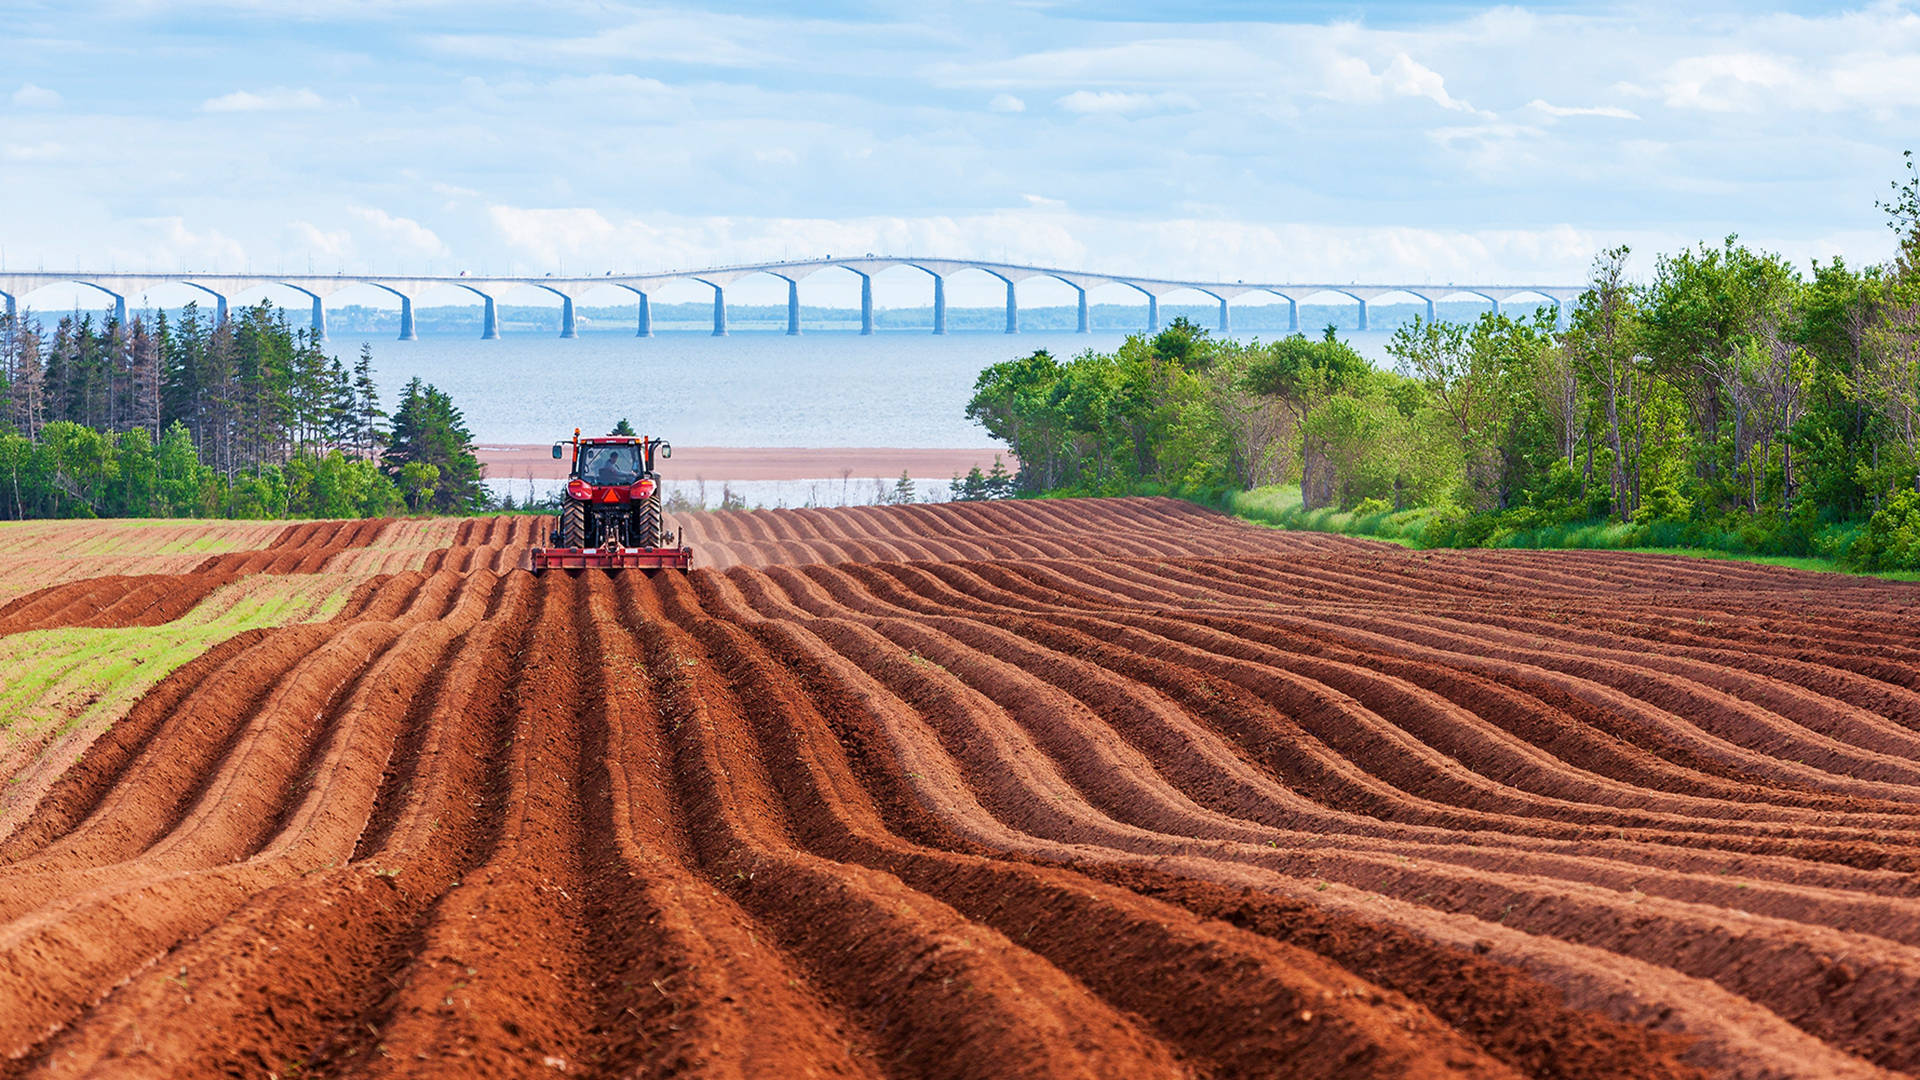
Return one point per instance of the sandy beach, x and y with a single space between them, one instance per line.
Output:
722 463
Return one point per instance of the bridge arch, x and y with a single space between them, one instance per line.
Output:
567 327
1044 290
1293 309
406 310
319 320
719 302
1224 321
1387 297
219 299
119 298
969 287
1448 292
1558 305
1095 288
490 316
643 321
865 276
939 295
1311 292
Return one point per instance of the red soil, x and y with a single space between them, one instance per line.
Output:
152 599
1113 788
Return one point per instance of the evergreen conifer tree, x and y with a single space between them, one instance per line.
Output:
999 481
973 488
429 431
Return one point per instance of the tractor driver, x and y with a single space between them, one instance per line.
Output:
615 465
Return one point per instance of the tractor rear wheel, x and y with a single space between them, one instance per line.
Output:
573 525
647 524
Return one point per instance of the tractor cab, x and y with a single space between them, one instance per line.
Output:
610 515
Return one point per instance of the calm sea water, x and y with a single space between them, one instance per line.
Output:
753 388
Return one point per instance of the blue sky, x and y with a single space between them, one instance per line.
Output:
1330 141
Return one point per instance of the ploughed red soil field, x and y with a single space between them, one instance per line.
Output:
1114 788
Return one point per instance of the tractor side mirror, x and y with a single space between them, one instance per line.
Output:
666 450
556 451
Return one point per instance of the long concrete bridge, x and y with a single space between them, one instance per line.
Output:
219 288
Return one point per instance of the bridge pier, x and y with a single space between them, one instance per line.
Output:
793 307
1086 324
939 304
866 304
319 320
119 308
719 312
567 327
1226 321
1013 311
1363 314
1153 314
407 332
1293 315
489 320
1496 308
1430 316
645 325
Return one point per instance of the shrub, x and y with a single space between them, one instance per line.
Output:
1663 503
1891 540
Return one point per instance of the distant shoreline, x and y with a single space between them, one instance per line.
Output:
514 461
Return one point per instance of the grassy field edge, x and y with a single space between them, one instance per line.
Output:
1280 508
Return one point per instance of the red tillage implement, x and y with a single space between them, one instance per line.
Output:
610 519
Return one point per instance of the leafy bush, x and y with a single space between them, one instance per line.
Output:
1663 503
1891 539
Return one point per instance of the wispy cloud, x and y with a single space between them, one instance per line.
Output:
1120 103
30 96
662 133
405 234
1612 111
277 99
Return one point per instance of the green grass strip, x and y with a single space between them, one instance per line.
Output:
1280 507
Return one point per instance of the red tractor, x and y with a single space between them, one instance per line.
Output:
611 517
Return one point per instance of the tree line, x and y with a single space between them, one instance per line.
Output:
1731 401
190 416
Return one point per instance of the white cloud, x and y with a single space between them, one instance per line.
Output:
1881 77
1121 103
405 235
1043 232
167 243
1725 82
1409 78
549 236
336 243
30 96
1612 111
42 151
1351 79
1287 117
277 99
